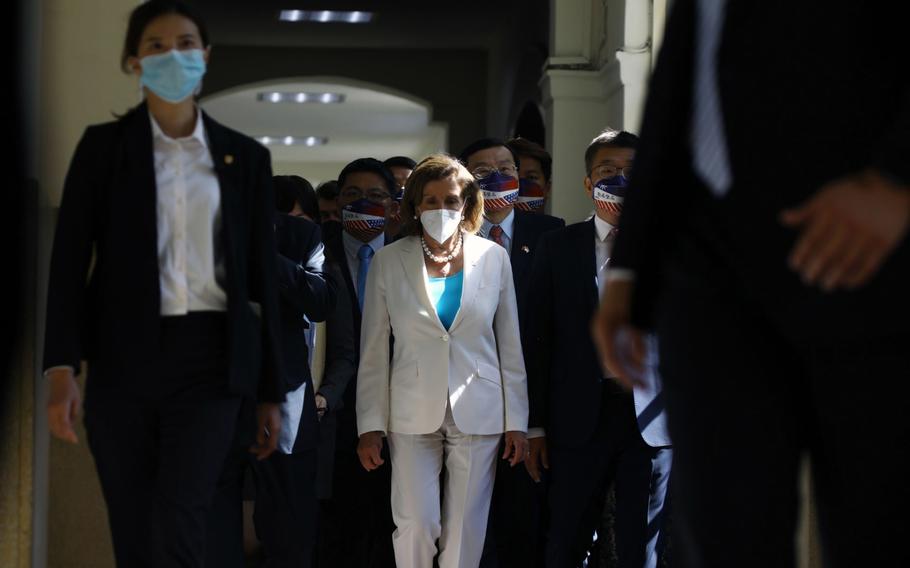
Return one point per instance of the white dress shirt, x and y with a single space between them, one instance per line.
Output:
508 229
190 260
352 247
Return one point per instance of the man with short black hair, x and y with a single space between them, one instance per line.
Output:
359 513
327 198
401 168
535 174
515 512
596 433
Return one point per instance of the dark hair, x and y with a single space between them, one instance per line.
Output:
368 165
295 189
483 144
327 190
434 168
609 138
400 162
143 15
533 150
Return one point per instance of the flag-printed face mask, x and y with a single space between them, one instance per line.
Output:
363 219
531 196
499 191
609 193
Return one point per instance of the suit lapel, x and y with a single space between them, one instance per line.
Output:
140 179
520 255
471 279
227 164
416 271
584 245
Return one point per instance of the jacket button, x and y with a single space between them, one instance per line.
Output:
445 337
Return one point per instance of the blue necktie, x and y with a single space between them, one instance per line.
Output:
365 254
709 141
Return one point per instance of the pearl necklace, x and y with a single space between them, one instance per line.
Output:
442 259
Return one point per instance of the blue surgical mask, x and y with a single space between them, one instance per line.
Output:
174 75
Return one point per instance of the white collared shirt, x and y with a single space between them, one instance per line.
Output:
508 228
190 259
352 247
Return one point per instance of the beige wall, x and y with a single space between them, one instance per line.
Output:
79 83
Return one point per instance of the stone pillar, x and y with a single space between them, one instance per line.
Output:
52 511
595 78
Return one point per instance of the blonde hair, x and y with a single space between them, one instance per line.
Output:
435 168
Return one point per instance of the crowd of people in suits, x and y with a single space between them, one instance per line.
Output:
398 365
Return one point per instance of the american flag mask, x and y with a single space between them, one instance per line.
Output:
531 196
499 191
609 193
363 219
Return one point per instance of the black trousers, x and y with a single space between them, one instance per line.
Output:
284 517
515 530
746 399
355 524
580 476
159 446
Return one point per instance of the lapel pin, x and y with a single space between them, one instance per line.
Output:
228 159
525 248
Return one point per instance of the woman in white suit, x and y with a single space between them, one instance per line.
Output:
455 380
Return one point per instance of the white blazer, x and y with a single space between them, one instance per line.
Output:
477 364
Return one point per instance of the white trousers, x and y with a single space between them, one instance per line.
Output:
417 461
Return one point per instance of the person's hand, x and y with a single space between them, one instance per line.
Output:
537 457
516 447
369 450
322 405
624 360
268 427
847 230
63 404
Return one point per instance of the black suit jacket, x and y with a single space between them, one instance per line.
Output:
565 381
303 291
801 108
528 229
110 315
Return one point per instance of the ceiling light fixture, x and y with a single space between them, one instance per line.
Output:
326 16
308 141
324 98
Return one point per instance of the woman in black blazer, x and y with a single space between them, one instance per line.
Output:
163 278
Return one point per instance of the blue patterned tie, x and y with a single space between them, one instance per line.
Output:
365 254
709 142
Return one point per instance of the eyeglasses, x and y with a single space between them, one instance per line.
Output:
604 171
354 193
481 172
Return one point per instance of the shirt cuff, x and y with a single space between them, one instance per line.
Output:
620 275
536 433
58 368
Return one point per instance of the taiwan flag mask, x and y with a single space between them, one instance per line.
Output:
499 191
363 219
609 193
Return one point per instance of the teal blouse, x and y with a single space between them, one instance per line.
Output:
445 294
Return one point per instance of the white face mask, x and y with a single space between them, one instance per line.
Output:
440 224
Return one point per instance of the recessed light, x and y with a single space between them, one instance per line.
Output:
324 98
326 16
294 140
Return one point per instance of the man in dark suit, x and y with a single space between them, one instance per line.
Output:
514 529
777 276
358 517
285 512
597 434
